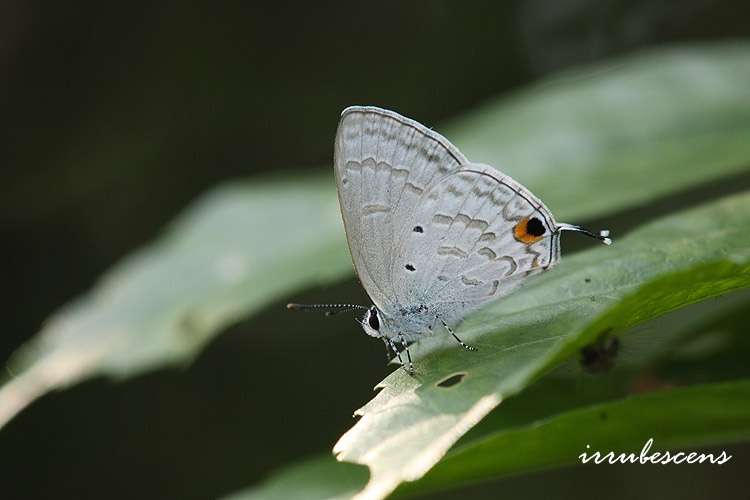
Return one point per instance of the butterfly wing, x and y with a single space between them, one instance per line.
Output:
427 227
478 242
384 164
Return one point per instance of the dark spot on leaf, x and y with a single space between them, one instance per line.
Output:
603 415
189 324
418 229
599 356
535 227
587 280
409 267
452 380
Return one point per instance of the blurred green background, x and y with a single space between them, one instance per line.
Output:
114 117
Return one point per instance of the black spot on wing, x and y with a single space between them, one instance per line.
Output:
535 227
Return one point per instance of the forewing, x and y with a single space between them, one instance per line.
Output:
468 251
385 163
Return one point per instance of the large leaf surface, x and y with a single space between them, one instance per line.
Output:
669 263
238 248
687 418
590 143
609 137
564 396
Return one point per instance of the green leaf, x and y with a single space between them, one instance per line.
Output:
592 142
650 354
235 250
564 391
609 137
317 478
678 419
665 265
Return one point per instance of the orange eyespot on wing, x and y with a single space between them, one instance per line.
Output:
529 230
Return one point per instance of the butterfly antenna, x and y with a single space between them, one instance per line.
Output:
329 309
603 235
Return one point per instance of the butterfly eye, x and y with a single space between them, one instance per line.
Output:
373 320
529 230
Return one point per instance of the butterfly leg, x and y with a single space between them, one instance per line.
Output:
408 354
450 330
387 349
395 350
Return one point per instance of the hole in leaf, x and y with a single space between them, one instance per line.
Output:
452 380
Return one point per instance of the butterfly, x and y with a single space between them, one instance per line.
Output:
433 236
